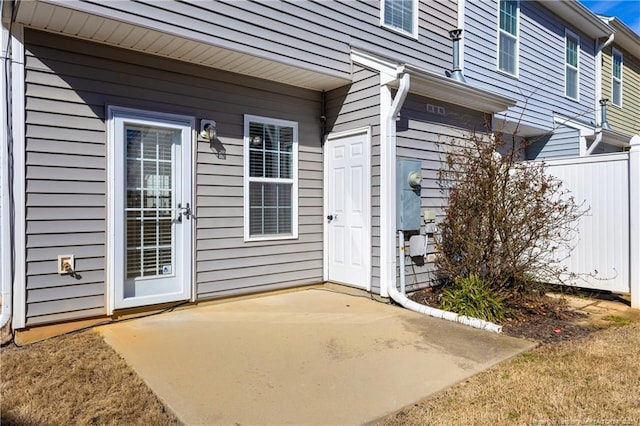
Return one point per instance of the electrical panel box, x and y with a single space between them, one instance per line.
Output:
408 187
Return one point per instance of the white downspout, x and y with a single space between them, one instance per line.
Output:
6 280
596 141
598 103
434 312
391 290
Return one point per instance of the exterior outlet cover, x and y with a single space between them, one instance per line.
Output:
66 261
417 245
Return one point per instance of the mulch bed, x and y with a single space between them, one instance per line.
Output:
538 317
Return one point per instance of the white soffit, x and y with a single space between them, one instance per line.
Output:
74 23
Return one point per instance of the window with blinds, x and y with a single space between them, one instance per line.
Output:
616 82
572 65
270 178
401 15
508 37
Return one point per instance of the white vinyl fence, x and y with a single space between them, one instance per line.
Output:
607 245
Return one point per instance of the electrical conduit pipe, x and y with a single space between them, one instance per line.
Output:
393 292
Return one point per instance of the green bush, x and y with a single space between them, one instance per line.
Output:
472 297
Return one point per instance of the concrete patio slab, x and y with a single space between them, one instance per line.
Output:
307 357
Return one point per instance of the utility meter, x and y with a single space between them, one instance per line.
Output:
408 181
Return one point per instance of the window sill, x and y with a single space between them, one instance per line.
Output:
413 36
270 238
515 76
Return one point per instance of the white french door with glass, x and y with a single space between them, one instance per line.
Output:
150 217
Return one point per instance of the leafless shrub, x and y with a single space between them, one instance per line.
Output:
507 221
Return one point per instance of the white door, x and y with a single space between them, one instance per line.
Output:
152 208
348 208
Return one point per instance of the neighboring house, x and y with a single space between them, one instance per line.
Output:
542 53
620 85
185 151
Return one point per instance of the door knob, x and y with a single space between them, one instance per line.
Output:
331 217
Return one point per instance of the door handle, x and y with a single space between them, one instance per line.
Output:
186 211
331 217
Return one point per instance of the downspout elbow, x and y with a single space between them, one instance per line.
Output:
398 100
596 142
608 42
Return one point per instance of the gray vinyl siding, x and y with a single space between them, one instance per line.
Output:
539 89
427 136
563 142
352 107
69 83
314 35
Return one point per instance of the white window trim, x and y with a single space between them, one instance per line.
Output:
615 52
517 37
568 33
247 179
115 222
414 25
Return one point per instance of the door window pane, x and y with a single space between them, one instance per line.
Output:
150 200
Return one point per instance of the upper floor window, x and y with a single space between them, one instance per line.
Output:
508 36
270 178
616 83
572 65
401 15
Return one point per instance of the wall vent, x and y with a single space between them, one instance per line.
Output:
436 109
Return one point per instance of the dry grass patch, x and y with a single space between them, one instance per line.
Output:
592 380
74 379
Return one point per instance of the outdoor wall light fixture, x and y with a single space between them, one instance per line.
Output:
208 129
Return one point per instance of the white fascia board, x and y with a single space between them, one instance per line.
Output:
579 16
585 129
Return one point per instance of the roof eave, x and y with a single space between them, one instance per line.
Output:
435 86
574 12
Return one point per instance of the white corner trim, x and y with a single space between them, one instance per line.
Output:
6 283
388 261
462 4
19 184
